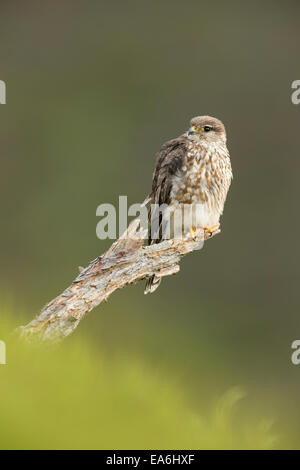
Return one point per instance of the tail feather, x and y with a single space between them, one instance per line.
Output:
152 284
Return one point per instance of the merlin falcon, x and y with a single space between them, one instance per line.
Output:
190 183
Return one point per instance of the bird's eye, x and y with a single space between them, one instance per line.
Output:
206 128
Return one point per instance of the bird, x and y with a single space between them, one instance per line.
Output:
190 183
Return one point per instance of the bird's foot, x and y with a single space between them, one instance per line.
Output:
193 233
197 232
211 231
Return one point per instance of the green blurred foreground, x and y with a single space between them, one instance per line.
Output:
72 397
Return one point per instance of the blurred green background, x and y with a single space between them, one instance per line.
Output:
93 89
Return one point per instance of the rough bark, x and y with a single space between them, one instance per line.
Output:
127 261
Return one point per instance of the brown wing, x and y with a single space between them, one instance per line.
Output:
168 162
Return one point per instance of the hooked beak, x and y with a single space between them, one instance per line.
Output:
191 131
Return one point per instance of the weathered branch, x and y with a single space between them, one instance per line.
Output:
126 262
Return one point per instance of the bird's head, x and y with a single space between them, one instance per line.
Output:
206 129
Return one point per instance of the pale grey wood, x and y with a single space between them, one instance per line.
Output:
127 261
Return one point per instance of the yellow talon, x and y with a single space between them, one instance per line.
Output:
212 229
192 232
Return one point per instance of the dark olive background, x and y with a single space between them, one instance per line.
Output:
93 89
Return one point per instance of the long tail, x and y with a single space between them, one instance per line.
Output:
152 284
